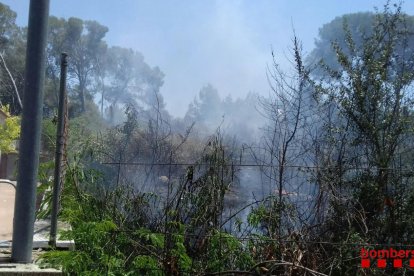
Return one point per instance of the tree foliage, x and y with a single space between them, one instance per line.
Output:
360 26
9 132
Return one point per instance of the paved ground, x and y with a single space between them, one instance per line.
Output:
7 193
40 237
41 227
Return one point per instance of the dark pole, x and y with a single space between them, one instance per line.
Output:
59 150
24 206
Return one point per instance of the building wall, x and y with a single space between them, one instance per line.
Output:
3 117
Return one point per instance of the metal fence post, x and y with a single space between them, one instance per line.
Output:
25 202
59 150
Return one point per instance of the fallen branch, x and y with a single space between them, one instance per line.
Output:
230 272
273 262
278 263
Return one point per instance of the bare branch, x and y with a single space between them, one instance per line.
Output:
12 80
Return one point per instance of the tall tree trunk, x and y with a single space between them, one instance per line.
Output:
82 95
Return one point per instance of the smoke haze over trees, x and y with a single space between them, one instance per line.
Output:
290 183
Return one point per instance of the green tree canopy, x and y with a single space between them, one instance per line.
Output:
360 27
84 43
12 49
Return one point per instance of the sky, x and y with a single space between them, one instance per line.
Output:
225 43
